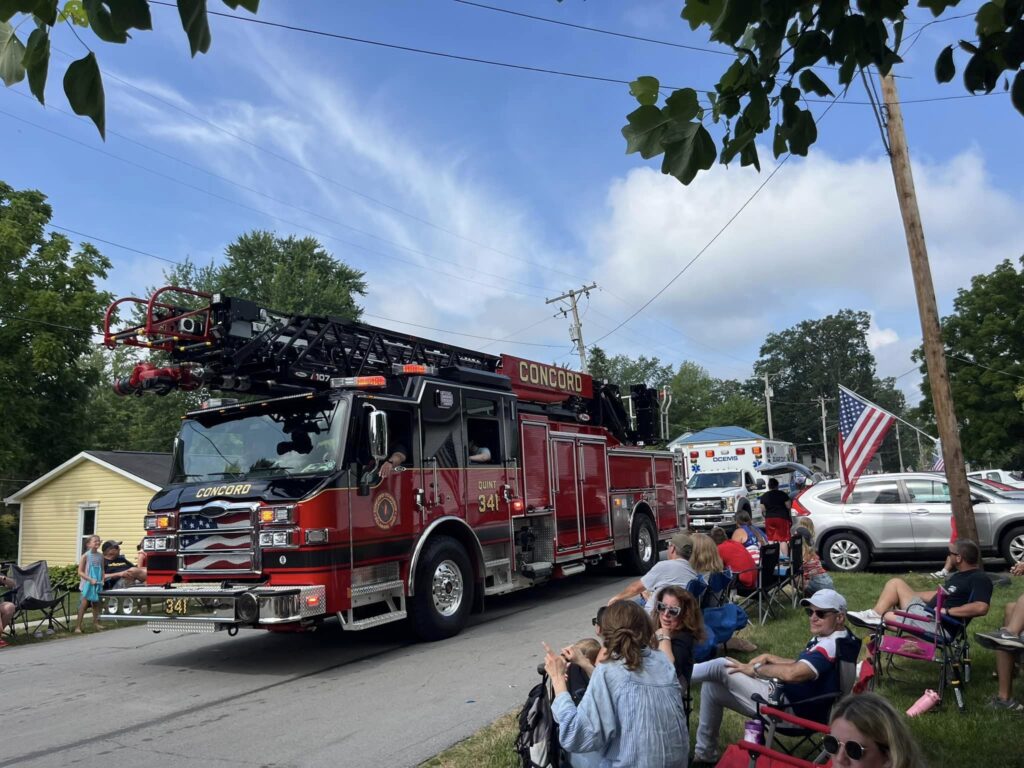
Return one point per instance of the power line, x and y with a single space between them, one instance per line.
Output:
711 242
290 223
979 365
49 325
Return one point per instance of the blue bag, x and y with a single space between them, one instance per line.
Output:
720 623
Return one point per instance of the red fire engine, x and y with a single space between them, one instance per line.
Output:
377 476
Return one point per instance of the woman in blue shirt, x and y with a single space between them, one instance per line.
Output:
632 712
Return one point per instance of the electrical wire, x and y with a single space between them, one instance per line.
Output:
718 234
987 368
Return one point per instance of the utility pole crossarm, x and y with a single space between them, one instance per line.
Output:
576 332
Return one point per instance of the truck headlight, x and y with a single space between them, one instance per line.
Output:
730 504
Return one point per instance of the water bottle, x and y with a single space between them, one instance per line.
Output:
928 700
753 731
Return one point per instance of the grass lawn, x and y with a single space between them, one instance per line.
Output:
980 737
40 635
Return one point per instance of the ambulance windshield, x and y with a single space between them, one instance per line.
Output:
715 480
286 438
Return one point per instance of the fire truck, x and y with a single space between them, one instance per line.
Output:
376 476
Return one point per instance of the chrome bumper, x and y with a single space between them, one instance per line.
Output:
210 607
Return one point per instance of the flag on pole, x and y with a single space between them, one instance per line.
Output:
939 465
862 427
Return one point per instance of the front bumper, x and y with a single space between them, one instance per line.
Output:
211 607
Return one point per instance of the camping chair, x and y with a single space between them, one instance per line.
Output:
720 589
793 575
793 733
761 756
766 591
32 592
944 643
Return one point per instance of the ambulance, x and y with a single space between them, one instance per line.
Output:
722 469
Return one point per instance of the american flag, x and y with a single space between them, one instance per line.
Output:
862 426
211 537
940 464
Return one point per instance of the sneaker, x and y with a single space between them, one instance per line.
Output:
1006 705
4 643
869 618
1003 638
941 575
710 759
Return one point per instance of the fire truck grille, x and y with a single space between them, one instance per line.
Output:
218 537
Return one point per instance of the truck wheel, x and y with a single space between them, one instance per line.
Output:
643 545
1013 545
846 552
444 590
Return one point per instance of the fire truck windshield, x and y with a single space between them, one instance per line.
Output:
714 480
283 439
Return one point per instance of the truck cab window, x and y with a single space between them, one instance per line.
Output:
483 432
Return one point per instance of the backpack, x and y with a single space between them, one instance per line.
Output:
537 742
721 623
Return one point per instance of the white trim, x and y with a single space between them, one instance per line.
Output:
72 462
20 530
82 506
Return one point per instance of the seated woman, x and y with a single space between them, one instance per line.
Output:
866 731
749 535
680 627
704 558
632 713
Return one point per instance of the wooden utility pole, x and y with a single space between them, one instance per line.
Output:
576 332
934 350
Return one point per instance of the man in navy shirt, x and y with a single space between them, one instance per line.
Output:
730 684
117 567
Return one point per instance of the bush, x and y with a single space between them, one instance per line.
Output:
8 536
64 577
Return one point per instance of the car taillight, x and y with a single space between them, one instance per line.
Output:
799 508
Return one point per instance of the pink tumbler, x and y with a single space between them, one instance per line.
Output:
928 700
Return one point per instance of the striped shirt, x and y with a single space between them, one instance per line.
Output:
629 718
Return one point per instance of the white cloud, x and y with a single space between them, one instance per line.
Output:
821 236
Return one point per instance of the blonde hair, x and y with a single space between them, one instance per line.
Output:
879 721
589 647
805 522
705 557
95 536
627 631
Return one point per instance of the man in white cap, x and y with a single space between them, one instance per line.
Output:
730 684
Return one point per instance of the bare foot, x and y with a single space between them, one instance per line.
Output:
78 630
97 628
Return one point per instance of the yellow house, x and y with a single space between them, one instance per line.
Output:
95 492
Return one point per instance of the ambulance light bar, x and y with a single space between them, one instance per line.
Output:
360 382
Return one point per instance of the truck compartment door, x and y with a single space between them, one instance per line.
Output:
593 480
565 492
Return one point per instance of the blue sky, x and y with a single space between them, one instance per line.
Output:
470 193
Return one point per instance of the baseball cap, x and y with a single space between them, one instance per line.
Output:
110 544
683 543
827 599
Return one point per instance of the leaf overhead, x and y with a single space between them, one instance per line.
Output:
645 90
83 85
945 68
196 24
12 53
37 62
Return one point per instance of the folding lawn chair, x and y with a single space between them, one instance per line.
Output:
944 643
720 589
766 591
34 594
793 575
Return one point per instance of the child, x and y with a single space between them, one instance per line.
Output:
90 569
815 576
582 657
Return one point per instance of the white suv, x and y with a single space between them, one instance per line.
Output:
904 516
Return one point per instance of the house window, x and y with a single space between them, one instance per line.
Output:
86 524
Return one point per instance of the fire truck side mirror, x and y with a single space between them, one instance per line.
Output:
379 435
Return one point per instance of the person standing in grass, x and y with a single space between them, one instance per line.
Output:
778 516
7 609
1008 643
90 571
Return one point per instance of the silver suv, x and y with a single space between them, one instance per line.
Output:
905 516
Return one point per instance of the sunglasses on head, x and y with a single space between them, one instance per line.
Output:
854 750
819 613
669 610
593 621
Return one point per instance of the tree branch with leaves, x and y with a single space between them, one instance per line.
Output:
778 45
112 21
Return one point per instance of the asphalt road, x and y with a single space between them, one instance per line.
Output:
128 697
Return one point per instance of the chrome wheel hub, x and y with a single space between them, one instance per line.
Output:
845 554
447 588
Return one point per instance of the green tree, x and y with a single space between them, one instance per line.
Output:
110 20
625 370
984 340
699 400
50 304
778 45
812 359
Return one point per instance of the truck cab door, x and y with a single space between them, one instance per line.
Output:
441 476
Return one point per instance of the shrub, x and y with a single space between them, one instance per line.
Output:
64 577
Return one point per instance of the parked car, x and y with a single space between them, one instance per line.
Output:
1012 479
1004 489
905 516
